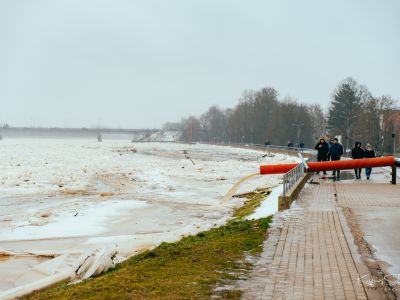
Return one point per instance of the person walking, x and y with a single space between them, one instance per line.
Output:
330 145
301 145
368 153
357 153
336 151
323 150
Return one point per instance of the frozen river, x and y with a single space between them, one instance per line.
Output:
63 201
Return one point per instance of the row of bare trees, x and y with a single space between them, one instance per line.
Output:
260 116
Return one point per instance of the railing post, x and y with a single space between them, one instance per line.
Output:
394 174
284 185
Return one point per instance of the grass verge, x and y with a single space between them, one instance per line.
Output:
187 269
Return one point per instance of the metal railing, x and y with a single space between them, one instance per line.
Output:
296 149
284 148
292 177
267 147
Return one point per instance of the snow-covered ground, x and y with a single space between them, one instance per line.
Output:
68 198
160 136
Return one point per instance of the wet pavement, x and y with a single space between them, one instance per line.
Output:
338 240
375 207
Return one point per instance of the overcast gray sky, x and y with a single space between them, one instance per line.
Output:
136 64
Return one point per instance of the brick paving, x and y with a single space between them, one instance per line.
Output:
311 253
306 255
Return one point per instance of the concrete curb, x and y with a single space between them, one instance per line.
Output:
284 202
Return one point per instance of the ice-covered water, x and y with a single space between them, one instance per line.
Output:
67 196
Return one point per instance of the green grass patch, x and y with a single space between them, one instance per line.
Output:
253 201
188 269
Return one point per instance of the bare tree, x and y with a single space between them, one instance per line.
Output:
318 121
214 124
387 122
191 129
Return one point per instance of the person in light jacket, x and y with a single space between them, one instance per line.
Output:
369 153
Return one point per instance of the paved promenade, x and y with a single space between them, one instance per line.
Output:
319 249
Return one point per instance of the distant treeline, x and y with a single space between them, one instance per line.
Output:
260 116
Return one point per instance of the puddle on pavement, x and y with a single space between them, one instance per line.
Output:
346 175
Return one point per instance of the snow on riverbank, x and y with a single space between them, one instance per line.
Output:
71 196
269 206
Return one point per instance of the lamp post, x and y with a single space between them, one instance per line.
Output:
394 167
298 131
347 140
394 130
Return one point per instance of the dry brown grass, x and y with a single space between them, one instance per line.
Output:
76 192
45 214
107 194
124 150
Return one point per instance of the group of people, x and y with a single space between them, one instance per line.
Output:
291 145
334 150
358 153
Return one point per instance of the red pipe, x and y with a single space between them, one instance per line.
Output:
276 169
332 165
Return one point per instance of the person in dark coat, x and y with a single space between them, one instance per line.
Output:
368 153
301 145
357 153
330 145
290 144
335 152
323 150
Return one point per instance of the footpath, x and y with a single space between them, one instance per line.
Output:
339 240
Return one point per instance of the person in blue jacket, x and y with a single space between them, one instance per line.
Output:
330 145
335 152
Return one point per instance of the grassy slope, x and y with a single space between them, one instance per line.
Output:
188 269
